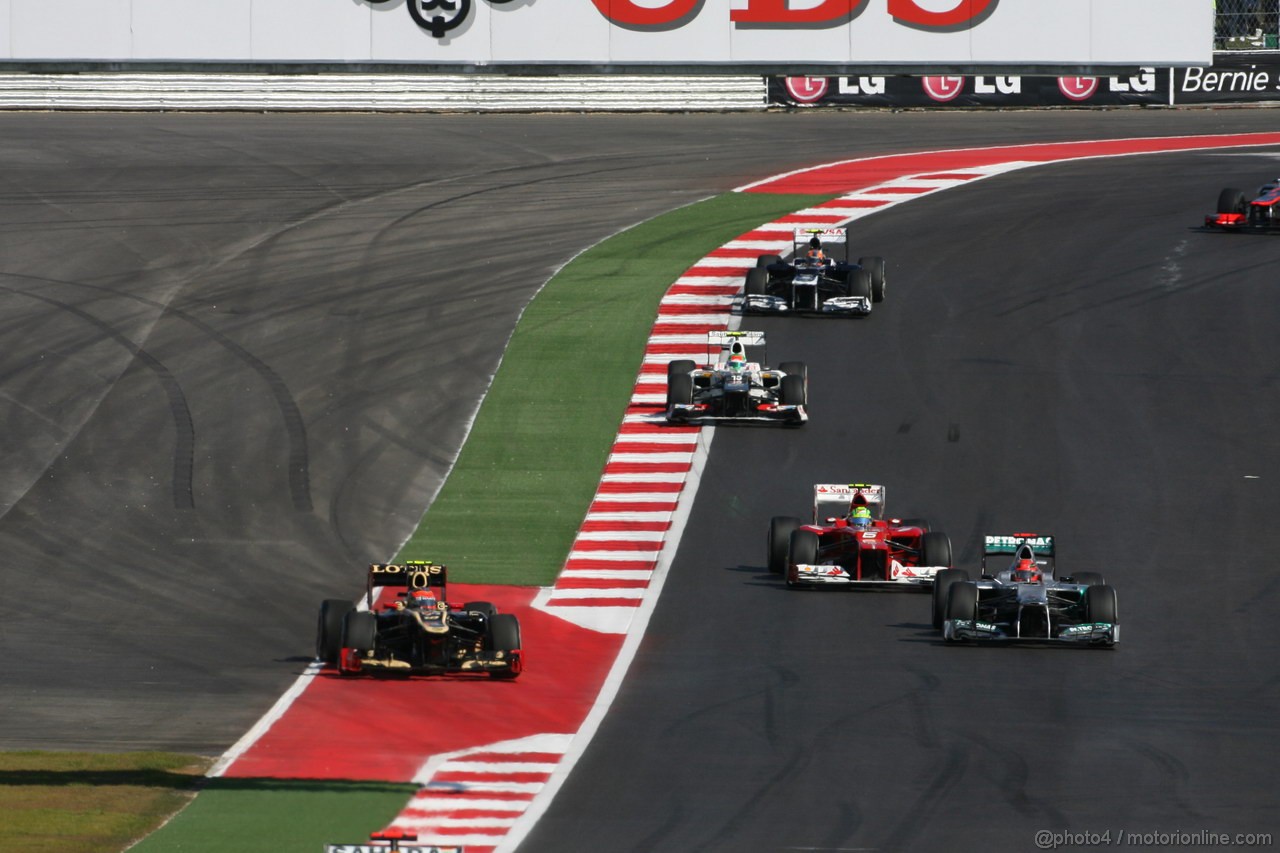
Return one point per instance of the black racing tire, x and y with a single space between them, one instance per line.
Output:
504 636
875 266
780 529
1100 604
962 601
1089 578
942 582
485 607
680 365
935 549
757 283
922 523
767 260
679 389
860 284
803 548
1232 200
329 629
359 630
795 391
796 368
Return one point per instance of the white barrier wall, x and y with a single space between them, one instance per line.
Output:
765 33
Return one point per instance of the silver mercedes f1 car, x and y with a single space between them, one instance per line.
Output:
1024 600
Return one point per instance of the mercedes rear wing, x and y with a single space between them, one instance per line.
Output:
1041 546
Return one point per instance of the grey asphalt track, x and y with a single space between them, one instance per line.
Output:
1060 351
239 352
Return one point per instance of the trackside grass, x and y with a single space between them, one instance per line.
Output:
57 802
278 816
516 496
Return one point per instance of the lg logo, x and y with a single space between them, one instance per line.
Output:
438 17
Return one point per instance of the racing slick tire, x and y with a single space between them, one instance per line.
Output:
922 523
860 284
1232 200
485 607
935 549
1088 578
803 548
794 391
942 582
1100 604
962 601
757 282
680 365
767 260
875 266
780 529
329 629
679 389
359 631
797 368
504 635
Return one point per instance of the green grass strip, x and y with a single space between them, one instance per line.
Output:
279 816
53 802
510 509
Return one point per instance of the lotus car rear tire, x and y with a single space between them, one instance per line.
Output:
359 630
329 629
504 636
485 607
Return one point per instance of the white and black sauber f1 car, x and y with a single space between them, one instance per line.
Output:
1024 599
731 387
814 282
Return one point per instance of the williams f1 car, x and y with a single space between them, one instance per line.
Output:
813 282
851 544
1024 599
417 632
1236 212
731 387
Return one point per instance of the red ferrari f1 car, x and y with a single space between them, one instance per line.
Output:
850 543
1237 213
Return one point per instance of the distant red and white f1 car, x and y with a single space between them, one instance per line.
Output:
850 543
1237 213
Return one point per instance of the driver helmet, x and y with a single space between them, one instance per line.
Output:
1026 571
816 255
423 599
737 362
860 517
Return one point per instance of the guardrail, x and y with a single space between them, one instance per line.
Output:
376 92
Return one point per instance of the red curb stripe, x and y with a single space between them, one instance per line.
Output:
702 327
446 776
680 309
715 271
675 348
619 545
621 505
463 797
949 176
601 583
646 467
704 289
601 565
642 427
624 488
802 219
900 190
624 526
656 446
514 757
595 602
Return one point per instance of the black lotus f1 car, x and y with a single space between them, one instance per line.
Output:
418 632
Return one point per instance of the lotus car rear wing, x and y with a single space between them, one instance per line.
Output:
411 574
836 500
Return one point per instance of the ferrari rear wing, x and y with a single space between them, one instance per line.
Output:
411 574
836 500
